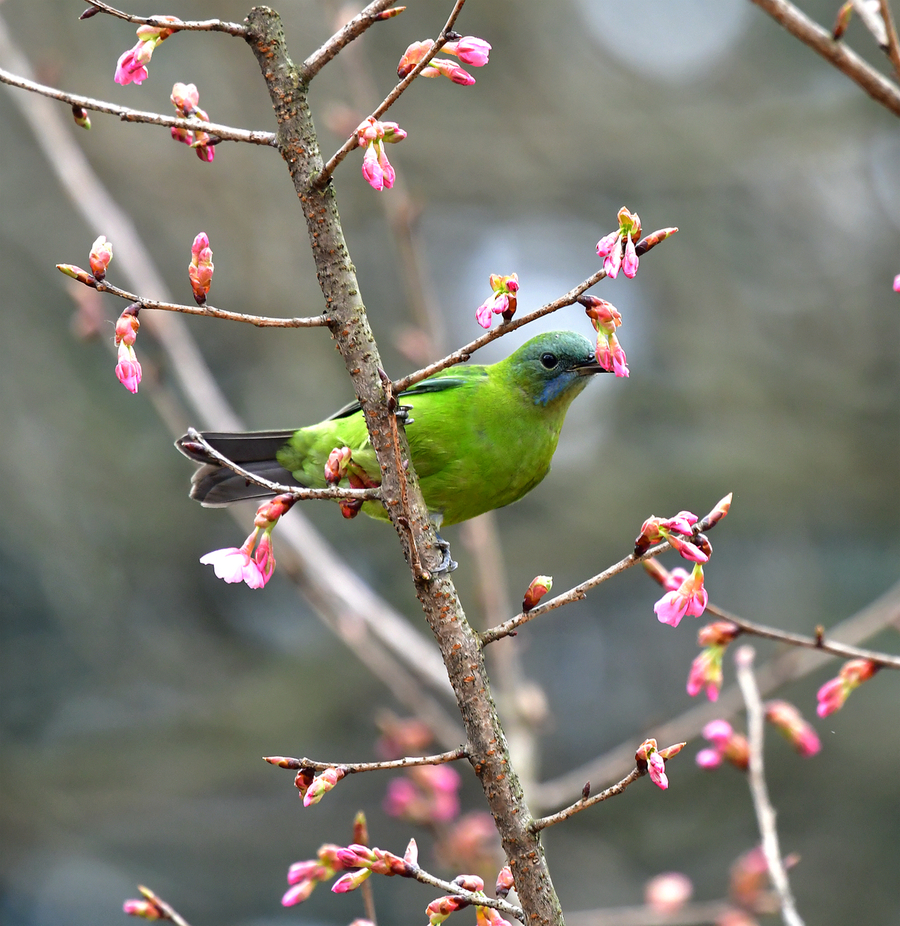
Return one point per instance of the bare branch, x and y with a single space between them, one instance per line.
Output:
776 672
391 98
893 44
126 114
350 768
765 812
332 492
819 642
576 593
848 62
207 311
206 25
344 36
584 803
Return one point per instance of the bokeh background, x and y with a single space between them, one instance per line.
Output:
138 692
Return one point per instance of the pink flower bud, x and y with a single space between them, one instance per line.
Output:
630 260
145 909
469 50
129 68
411 855
539 587
322 785
200 269
81 117
101 255
411 57
505 882
350 881
128 369
336 465
469 882
303 779
795 729
185 98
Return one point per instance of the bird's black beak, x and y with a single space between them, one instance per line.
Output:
589 367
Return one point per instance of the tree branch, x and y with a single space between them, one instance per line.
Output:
206 25
878 87
348 323
461 752
392 97
585 802
126 114
765 812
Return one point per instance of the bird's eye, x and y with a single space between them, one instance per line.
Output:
549 361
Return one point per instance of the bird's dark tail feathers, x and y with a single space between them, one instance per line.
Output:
215 486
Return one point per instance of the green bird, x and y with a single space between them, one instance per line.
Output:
480 437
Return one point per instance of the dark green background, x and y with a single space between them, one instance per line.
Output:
138 692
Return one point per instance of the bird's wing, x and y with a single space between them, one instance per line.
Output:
435 384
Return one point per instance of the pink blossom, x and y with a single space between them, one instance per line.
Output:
897 283
387 172
718 732
726 744
234 564
709 758
630 260
690 598
129 68
298 893
502 301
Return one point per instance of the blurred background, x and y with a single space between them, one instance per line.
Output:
138 692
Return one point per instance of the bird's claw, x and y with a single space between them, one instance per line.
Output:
401 413
447 563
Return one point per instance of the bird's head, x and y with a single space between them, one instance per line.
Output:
554 367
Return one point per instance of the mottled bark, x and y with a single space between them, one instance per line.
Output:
348 323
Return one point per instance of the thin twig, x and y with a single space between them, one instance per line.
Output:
352 142
576 593
351 768
784 668
332 492
464 353
893 44
126 114
168 911
765 813
482 900
344 36
885 660
878 86
584 803
207 25
208 311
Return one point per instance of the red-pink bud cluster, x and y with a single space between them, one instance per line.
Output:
832 695
502 300
372 135
341 465
606 318
131 68
726 745
469 49
200 269
618 248
651 760
186 100
242 564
